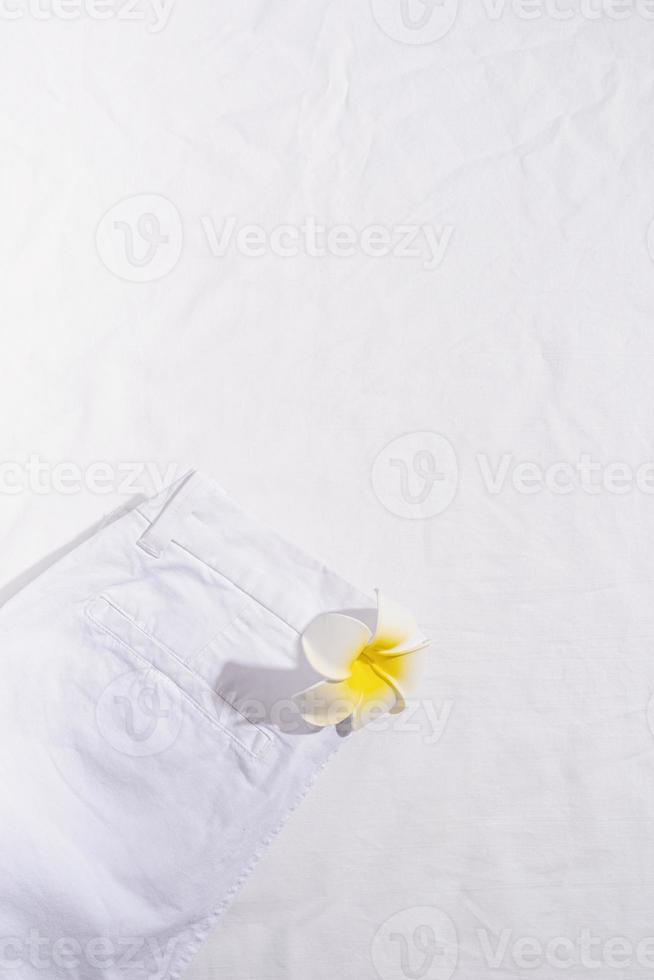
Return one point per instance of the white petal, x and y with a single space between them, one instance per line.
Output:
327 704
369 709
396 626
403 673
332 642
411 646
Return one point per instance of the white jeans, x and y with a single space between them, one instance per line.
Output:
148 747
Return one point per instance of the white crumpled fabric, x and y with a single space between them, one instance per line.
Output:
468 427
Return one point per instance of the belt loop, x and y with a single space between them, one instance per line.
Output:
158 536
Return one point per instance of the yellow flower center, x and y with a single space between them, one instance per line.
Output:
372 674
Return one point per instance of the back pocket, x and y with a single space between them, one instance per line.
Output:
208 706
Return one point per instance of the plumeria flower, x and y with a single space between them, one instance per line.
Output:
363 671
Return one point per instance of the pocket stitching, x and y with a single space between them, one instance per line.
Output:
160 673
238 586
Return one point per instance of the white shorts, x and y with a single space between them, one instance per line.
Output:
149 749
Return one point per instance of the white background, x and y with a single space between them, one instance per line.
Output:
524 139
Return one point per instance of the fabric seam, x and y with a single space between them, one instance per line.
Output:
209 919
240 588
223 575
152 667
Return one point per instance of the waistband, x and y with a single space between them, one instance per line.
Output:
196 515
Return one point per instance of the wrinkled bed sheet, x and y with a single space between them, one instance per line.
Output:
385 271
